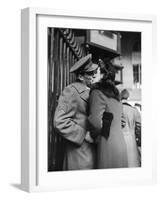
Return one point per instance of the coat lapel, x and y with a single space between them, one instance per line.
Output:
85 95
82 90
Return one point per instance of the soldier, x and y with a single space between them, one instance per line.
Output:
132 119
71 117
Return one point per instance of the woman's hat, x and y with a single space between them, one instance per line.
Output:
108 69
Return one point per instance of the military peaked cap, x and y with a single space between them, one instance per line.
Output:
85 64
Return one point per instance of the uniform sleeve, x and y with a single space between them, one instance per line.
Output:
137 116
64 115
97 107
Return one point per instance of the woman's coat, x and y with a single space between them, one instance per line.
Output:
111 152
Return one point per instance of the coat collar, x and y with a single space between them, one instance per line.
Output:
82 89
125 102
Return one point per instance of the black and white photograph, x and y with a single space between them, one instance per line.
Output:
94 105
87 94
80 100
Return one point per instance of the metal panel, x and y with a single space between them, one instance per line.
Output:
61 56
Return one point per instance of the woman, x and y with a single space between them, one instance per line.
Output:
104 98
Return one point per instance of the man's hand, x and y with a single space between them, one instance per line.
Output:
88 138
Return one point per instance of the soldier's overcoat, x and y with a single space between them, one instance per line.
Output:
71 122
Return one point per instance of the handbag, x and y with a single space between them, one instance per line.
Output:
107 120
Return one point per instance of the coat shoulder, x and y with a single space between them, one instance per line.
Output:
98 94
69 91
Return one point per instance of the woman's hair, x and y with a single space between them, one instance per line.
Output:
107 69
107 83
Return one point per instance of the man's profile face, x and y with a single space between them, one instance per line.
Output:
88 79
92 77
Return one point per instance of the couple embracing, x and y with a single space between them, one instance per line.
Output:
88 116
